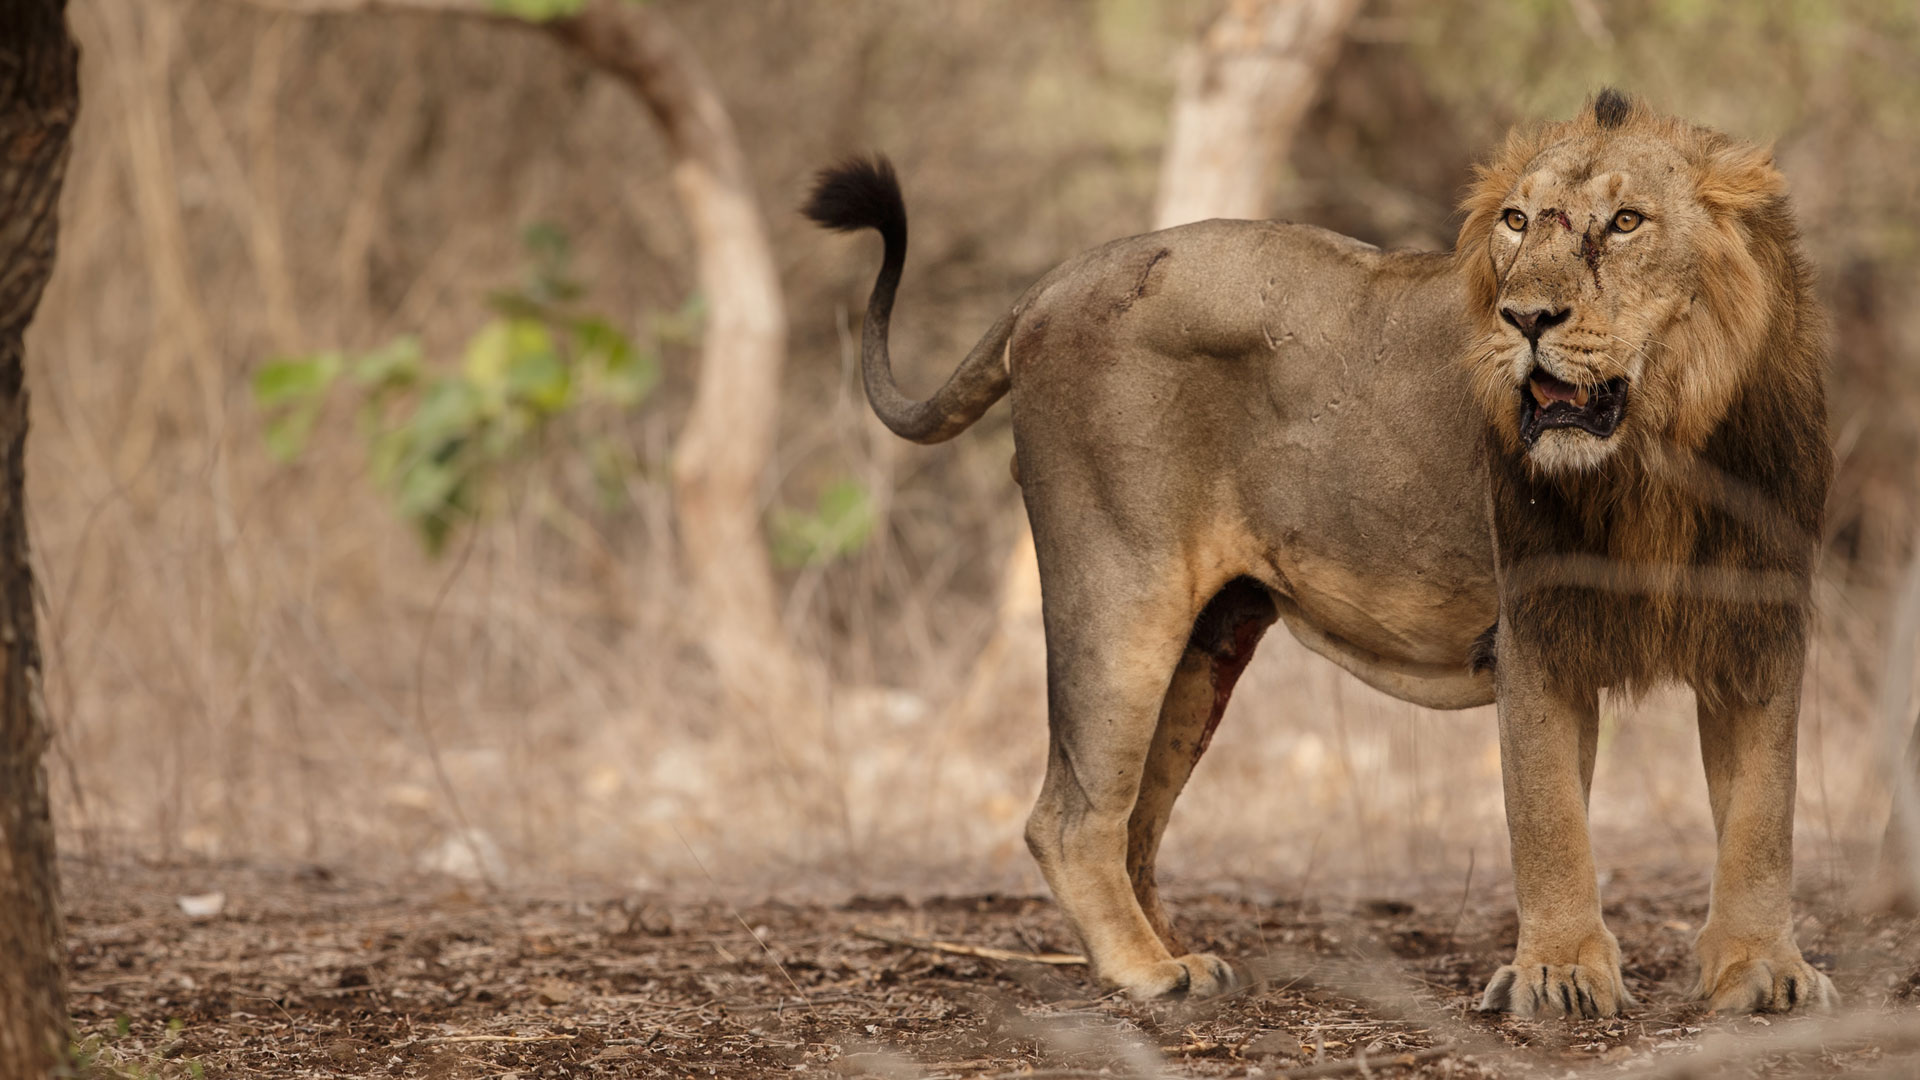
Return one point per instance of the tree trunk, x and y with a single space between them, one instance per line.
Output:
727 443
1242 92
39 99
1897 884
728 439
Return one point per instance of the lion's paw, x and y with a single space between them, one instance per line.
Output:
1195 975
1577 991
1773 978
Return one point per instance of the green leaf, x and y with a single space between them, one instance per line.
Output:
840 524
487 355
621 373
537 10
287 434
393 366
427 489
451 408
535 373
290 378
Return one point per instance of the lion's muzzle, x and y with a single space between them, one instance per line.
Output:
1547 402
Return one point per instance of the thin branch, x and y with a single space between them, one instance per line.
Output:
345 7
443 1040
1366 1063
984 952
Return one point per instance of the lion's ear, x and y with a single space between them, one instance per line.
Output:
1739 178
1481 208
1744 192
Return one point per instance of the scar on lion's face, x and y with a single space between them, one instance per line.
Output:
1592 271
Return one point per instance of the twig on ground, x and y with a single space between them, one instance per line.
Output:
984 952
1366 1063
1466 890
442 1040
737 917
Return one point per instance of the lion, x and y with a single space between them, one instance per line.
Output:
1584 451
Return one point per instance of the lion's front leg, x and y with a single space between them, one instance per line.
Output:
1748 959
1567 962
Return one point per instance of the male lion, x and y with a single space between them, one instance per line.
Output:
1598 424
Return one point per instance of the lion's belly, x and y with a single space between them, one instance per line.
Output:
1374 491
1411 615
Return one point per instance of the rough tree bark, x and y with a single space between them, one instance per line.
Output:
727 443
1896 886
1243 89
39 99
728 439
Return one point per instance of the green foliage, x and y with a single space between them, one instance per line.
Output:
537 10
441 441
295 389
840 524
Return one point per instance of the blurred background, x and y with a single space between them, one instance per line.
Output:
373 486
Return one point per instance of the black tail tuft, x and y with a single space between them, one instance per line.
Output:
859 193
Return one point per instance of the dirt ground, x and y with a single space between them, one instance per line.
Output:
304 972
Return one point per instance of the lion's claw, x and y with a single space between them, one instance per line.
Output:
1195 975
1549 990
1769 985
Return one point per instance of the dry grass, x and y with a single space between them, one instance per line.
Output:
254 661
257 664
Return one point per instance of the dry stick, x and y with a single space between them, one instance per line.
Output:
1366 1063
1896 677
440 1040
984 952
735 912
440 773
1465 891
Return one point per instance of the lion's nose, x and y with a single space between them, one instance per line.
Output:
1532 322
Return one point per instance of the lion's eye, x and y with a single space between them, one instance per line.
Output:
1515 220
1626 221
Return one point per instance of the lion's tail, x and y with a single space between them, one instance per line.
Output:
865 194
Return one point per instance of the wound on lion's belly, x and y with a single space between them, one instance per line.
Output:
1227 630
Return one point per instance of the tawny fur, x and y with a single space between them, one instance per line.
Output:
1694 541
1232 423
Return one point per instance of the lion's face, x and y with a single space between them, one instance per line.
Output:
1607 263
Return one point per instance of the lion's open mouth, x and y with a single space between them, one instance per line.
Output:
1548 402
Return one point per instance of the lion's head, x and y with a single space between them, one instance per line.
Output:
1624 269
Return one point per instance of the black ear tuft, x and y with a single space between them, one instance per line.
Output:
859 193
1612 108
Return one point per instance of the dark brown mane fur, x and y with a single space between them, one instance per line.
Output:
1676 563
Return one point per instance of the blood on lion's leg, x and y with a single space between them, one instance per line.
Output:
1221 644
1117 621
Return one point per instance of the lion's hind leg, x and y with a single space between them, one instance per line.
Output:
1218 649
1117 623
